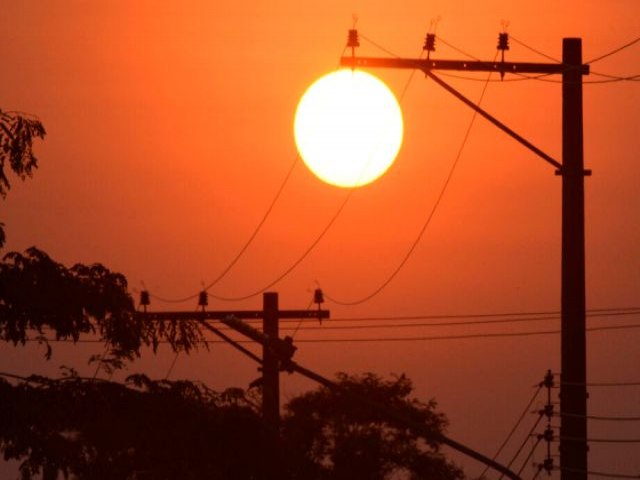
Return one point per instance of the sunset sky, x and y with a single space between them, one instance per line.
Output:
170 131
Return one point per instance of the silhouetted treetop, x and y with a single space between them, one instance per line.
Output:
39 295
343 433
143 429
17 132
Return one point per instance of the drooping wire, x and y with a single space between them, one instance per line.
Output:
524 444
478 336
534 50
171 367
614 51
592 72
244 247
540 77
515 427
299 324
597 474
312 245
601 417
531 452
427 222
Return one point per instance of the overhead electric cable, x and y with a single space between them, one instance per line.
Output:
601 417
515 427
591 71
430 216
531 452
441 324
614 51
524 444
603 440
310 248
597 474
244 247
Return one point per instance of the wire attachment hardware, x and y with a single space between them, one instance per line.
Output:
203 299
318 299
503 45
353 41
145 300
429 44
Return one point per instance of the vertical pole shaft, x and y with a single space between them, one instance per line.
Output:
573 391
271 388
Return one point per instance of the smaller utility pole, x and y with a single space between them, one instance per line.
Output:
276 353
271 387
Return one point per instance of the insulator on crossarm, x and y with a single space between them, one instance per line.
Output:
203 299
318 299
145 298
318 296
430 43
353 41
503 41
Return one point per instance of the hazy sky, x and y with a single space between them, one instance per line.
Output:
170 130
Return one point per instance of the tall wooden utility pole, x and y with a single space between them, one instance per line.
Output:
573 382
276 355
573 393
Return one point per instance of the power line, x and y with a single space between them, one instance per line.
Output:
244 247
526 439
594 312
445 324
430 216
597 474
391 339
531 452
603 440
461 337
614 51
602 384
515 427
549 57
602 417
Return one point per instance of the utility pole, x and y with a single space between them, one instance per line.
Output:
276 355
271 386
573 394
573 380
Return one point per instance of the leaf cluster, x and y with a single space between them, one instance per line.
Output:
38 294
17 132
143 429
343 433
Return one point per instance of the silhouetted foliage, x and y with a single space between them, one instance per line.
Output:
39 295
343 434
17 133
93 429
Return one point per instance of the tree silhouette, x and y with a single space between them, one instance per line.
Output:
343 434
143 429
17 132
38 295
86 428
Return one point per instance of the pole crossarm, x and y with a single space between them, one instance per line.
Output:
223 315
427 65
460 65
282 348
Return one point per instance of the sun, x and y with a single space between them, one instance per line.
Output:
348 128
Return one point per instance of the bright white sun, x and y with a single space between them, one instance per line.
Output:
348 128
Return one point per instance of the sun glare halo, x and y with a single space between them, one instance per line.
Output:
348 128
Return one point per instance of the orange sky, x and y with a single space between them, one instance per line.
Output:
170 130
